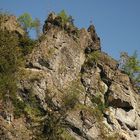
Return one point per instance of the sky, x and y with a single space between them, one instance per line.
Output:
117 22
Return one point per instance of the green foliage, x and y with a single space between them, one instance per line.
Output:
34 105
53 126
131 66
10 60
69 101
94 56
10 52
92 59
26 44
100 105
30 106
71 96
7 86
65 18
37 27
19 107
28 23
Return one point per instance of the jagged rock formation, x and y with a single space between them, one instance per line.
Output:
68 61
9 23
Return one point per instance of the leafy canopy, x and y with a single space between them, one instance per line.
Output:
28 23
131 66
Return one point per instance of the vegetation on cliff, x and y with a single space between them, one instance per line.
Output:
10 61
28 23
131 66
63 86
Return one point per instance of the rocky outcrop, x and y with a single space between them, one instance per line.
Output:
67 74
95 45
15 130
9 23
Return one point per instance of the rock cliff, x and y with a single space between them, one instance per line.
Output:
69 84
9 23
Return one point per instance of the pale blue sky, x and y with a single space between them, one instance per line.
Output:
117 22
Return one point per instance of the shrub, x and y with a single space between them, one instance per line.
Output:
65 18
26 44
92 59
100 105
19 107
131 66
10 61
69 101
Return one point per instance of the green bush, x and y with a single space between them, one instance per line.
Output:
65 18
26 44
100 105
131 66
10 61
19 107
69 101
92 59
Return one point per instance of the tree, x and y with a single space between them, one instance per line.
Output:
37 27
26 21
10 60
131 66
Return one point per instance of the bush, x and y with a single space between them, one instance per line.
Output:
10 61
69 101
19 107
100 105
26 44
65 18
92 59
131 66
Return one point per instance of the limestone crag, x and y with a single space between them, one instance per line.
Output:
10 23
69 75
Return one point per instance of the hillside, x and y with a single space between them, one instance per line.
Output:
68 89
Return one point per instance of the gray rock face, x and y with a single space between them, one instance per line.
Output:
110 103
95 45
60 57
102 102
